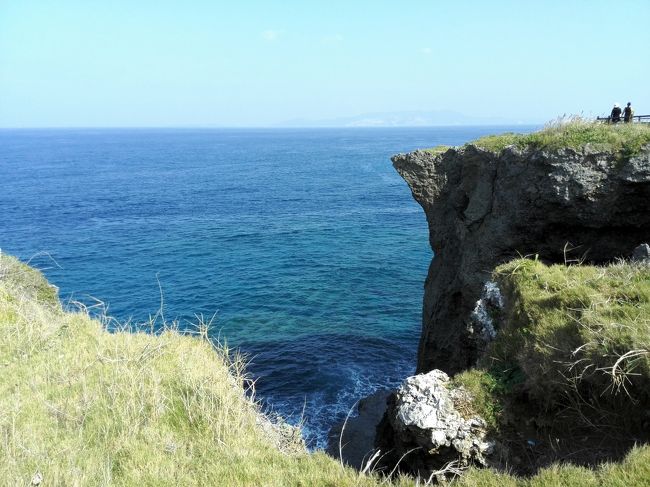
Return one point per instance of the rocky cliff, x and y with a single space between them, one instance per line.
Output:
485 207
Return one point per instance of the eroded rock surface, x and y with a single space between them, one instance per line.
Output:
485 208
424 427
487 308
641 253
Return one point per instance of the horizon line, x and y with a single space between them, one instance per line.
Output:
258 127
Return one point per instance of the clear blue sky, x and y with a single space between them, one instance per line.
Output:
255 63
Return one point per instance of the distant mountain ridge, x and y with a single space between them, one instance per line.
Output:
414 118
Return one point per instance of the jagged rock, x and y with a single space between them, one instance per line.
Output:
357 443
484 208
482 318
424 428
641 253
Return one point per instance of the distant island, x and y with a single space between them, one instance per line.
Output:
414 118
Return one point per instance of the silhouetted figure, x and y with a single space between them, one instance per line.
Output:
628 113
616 113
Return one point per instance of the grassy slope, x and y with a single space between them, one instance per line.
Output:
87 407
634 471
564 332
628 139
578 327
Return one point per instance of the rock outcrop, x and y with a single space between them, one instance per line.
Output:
424 423
483 208
353 440
642 253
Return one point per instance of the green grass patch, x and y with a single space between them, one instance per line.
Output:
490 390
577 332
82 406
485 391
625 139
572 358
633 471
439 149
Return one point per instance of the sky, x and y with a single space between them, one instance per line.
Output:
142 63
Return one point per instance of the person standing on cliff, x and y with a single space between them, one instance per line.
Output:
628 112
615 116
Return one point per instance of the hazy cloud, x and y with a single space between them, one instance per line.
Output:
271 35
333 39
426 50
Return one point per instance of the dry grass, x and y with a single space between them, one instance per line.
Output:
575 133
579 333
81 406
634 471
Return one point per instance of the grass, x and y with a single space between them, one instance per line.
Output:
575 134
484 389
575 339
29 281
626 140
81 406
440 149
633 471
489 390
578 332
572 353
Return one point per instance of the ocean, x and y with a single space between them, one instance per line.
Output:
304 247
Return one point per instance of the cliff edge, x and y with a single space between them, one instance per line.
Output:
570 192
82 406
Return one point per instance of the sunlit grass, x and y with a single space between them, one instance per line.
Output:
576 339
439 149
81 406
576 134
626 140
633 471
577 328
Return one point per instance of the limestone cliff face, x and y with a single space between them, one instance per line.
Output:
484 208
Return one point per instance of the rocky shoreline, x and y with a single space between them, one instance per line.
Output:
484 208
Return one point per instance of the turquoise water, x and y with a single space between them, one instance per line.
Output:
305 245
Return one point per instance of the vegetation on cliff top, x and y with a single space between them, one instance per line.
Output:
625 139
578 330
572 358
81 406
633 471
575 134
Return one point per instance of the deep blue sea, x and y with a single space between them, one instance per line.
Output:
305 245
